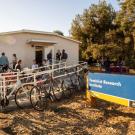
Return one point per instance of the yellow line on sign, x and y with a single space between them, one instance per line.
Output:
107 97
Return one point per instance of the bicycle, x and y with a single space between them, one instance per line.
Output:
75 81
51 88
44 91
11 85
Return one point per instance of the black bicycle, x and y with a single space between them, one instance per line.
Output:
47 90
72 82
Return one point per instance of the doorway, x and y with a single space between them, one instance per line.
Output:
39 55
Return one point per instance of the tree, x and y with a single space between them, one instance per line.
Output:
104 32
91 27
58 32
126 19
98 51
126 16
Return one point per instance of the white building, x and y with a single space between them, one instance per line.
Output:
29 45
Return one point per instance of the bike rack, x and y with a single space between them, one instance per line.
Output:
30 76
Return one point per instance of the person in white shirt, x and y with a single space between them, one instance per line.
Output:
34 65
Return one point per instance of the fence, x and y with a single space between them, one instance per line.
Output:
9 82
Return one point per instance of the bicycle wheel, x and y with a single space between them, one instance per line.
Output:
67 91
22 95
73 84
76 82
38 98
57 91
82 82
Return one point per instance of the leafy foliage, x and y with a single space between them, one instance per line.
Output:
98 51
59 32
126 16
104 32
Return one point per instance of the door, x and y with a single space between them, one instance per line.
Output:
39 55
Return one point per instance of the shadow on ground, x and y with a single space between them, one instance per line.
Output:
73 116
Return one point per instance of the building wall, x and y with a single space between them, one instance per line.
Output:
17 43
71 48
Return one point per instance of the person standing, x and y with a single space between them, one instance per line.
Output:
14 61
120 64
34 65
101 63
64 55
90 60
45 64
107 64
58 56
49 57
18 65
4 62
4 59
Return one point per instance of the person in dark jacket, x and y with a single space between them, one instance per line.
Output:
58 56
64 55
14 61
107 64
49 57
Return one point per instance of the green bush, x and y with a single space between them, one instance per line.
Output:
130 63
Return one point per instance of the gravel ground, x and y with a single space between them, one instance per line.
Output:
72 116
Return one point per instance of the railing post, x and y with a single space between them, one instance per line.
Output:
4 87
17 76
34 79
89 96
52 69
1 86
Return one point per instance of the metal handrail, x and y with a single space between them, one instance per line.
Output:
11 83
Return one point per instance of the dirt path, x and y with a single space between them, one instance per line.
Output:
73 116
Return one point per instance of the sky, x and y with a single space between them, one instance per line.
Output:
44 15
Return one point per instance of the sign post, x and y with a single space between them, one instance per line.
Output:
89 96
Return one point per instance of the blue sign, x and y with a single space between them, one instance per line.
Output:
118 85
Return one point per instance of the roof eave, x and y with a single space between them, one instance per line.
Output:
37 32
